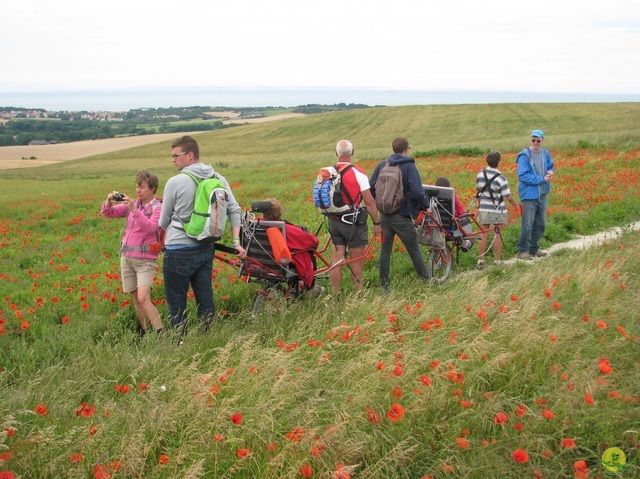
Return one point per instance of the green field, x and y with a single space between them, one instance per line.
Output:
523 370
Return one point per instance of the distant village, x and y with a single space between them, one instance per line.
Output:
40 114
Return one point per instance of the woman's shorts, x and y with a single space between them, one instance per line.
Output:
136 272
493 218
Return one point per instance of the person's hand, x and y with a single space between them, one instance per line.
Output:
377 230
242 253
548 176
519 210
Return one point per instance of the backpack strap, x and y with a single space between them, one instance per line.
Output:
487 186
345 190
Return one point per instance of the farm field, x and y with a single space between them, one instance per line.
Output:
519 370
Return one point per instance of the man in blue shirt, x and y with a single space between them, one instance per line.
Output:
535 172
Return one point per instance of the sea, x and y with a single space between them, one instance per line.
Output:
135 98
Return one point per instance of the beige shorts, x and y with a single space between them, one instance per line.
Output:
136 272
493 218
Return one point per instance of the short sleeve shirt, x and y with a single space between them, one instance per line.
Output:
492 198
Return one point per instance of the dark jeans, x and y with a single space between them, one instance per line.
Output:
181 268
534 222
393 225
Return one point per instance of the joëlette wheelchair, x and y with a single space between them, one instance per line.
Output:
279 280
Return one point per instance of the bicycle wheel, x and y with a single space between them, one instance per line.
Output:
269 300
440 264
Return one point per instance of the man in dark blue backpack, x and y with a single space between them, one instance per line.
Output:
535 172
400 222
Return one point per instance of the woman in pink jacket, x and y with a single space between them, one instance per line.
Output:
140 244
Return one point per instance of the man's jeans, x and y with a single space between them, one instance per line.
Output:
534 222
181 268
403 227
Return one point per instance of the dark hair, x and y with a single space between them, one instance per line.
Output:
493 158
275 212
149 178
442 181
399 144
188 144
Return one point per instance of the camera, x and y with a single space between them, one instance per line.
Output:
118 197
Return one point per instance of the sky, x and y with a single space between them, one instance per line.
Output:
495 45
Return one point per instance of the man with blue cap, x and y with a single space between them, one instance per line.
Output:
535 171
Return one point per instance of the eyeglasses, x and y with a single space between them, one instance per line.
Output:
536 140
175 157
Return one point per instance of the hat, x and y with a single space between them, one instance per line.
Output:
537 133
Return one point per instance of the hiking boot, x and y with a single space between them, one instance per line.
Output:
526 256
480 264
540 254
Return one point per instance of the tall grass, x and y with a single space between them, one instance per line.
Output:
490 362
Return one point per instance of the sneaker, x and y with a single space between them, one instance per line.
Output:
524 256
480 264
540 254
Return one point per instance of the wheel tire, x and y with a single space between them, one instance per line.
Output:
438 269
268 300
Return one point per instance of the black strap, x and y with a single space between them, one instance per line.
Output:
225 248
487 185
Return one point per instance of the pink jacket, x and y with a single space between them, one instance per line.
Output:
141 229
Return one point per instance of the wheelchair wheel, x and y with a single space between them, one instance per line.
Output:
269 300
440 264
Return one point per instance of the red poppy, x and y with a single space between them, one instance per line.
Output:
306 470
605 366
41 409
340 473
465 404
568 443
589 399
163 459
236 419
396 413
548 414
426 380
500 418
520 455
218 438
243 452
76 458
296 434
372 416
463 442
6 475
100 472
521 410
85 410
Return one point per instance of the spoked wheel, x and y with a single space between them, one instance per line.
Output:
269 301
440 264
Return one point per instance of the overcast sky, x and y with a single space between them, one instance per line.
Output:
502 45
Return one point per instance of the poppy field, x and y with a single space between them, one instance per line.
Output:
525 370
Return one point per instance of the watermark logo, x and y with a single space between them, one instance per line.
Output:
614 460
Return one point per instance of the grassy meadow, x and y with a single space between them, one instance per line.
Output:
523 370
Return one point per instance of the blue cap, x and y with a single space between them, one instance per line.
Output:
537 133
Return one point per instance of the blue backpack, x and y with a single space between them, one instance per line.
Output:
327 192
